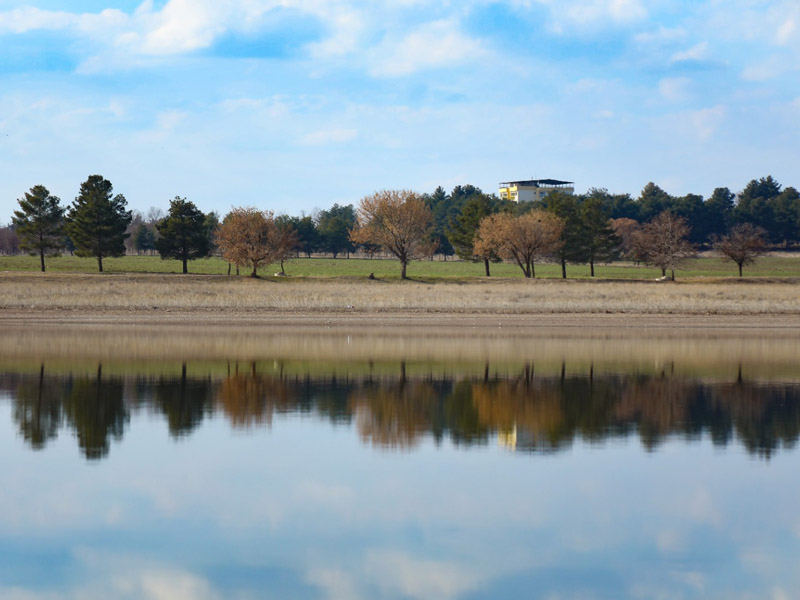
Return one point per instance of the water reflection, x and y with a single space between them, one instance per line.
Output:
524 411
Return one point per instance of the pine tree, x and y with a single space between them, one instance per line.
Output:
598 241
184 235
40 223
462 229
96 222
567 208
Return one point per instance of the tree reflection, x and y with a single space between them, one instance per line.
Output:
37 409
183 401
527 412
96 410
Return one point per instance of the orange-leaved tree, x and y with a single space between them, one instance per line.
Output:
396 220
525 238
249 237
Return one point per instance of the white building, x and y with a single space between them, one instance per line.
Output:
533 189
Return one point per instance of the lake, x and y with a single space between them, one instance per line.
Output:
585 466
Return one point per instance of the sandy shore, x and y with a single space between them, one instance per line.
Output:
277 320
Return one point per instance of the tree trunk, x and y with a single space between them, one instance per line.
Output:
672 274
229 269
185 267
403 272
563 268
41 255
740 268
591 267
282 271
486 267
100 263
663 271
255 270
533 270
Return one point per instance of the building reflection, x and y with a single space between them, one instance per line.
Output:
523 412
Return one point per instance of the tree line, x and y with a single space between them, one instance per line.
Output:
597 227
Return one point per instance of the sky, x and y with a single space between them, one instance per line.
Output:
292 105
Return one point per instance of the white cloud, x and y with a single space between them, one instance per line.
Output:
698 52
674 89
334 583
770 68
162 584
411 577
433 45
661 35
594 12
786 31
328 136
347 30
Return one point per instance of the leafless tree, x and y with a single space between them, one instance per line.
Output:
743 244
9 242
625 230
664 243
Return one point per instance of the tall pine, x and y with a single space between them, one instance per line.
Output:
184 235
97 221
40 223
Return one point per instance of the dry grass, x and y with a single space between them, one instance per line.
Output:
142 293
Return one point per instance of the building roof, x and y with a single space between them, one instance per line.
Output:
537 182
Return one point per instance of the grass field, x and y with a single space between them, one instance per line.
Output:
148 292
777 266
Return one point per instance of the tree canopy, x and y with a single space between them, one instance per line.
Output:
525 238
664 242
249 237
39 223
396 220
743 245
97 222
184 233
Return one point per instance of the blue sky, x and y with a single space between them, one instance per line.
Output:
289 105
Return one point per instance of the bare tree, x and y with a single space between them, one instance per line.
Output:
626 229
249 237
525 239
9 241
743 244
664 242
396 220
288 242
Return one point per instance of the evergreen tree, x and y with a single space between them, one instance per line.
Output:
211 225
764 204
307 234
567 208
96 222
39 223
692 208
144 239
334 226
597 241
653 201
461 231
184 235
719 211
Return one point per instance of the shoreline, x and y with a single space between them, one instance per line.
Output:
283 320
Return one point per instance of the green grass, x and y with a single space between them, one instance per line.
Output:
705 267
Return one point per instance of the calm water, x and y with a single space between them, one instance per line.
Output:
253 480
